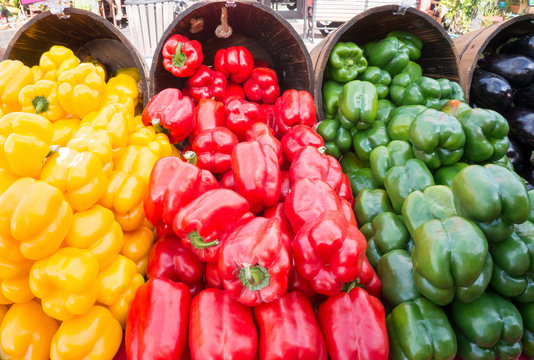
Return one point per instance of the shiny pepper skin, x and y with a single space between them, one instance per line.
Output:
14 281
121 89
235 62
42 98
97 141
56 61
137 245
262 86
64 129
14 76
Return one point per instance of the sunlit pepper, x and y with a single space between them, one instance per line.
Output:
140 159
14 75
14 283
97 141
64 129
56 61
122 89
37 73
137 245
42 98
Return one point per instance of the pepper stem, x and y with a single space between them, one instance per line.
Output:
53 149
198 242
254 277
348 286
40 104
322 150
190 157
156 123
179 58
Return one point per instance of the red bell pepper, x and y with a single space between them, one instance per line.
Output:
285 186
345 190
258 63
228 181
157 323
213 148
204 222
329 252
298 137
270 119
171 260
297 283
310 162
171 112
241 115
253 262
181 56
369 279
294 107
257 174
174 184
209 114
354 326
212 276
289 330
233 91
235 63
262 86
286 232
265 135
206 84
221 328
346 208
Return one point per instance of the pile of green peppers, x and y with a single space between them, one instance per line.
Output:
449 224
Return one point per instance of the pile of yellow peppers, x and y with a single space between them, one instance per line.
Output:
75 163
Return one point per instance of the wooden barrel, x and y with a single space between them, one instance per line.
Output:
485 41
266 34
87 34
438 57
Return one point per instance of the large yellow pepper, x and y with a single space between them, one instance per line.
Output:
66 282
94 335
14 75
42 98
34 219
81 89
26 332
79 175
117 286
97 141
56 61
97 231
122 89
64 129
137 245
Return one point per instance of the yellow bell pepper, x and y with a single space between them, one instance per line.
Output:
64 129
122 89
132 71
97 231
14 75
6 179
94 335
66 282
16 290
137 244
136 125
56 61
81 89
79 175
97 141
26 332
25 141
34 219
99 65
117 286
140 159
41 98
3 311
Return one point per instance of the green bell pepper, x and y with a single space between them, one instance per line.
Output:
412 42
527 313
367 48
383 158
390 54
387 233
365 141
451 90
483 193
437 138
384 110
337 139
402 180
350 163
487 328
369 203
346 62
358 104
407 89
473 292
331 90
445 174
496 230
447 254
362 179
531 197
420 330
395 270
401 119
413 69
504 161
379 78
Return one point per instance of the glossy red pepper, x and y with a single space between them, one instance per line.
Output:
262 86
368 279
297 283
235 62
289 330
329 252
221 328
346 208
213 148
298 137
206 84
253 262
345 190
310 162
228 181
173 184
265 135
241 115
354 326
286 231
270 119
171 112
209 114
233 91
212 276
294 107
257 174
181 56
158 320
285 186
258 63
204 222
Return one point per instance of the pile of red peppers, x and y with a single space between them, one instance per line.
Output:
259 254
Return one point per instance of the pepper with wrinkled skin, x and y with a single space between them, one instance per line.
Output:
136 247
262 86
395 270
379 78
411 41
205 83
64 129
407 89
42 98
56 61
364 141
388 233
14 77
346 62
97 141
331 90
401 120
181 56
235 62
383 158
358 104
444 175
390 54
209 114
527 313
292 108
369 203
262 133
241 115
298 137
213 148
420 330
313 164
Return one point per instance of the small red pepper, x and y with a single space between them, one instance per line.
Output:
221 328
213 148
253 262
286 231
345 190
354 326
181 56
294 107
172 113
258 63
298 137
265 135
209 114
235 62
241 115
233 91
212 276
257 174
289 330
310 162
262 86
228 181
206 84
157 323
